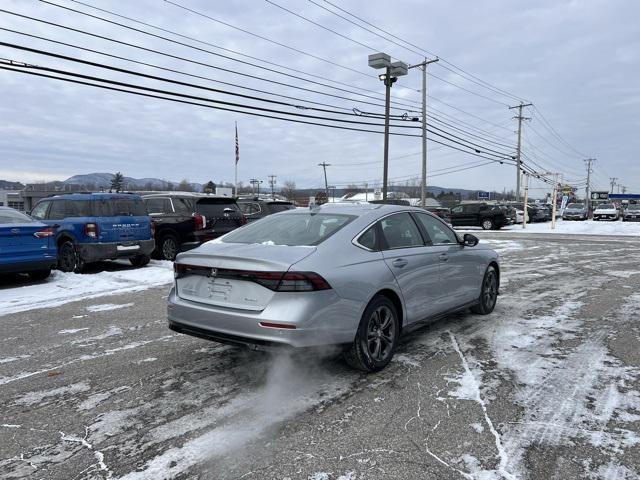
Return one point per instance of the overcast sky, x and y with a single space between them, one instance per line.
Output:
577 61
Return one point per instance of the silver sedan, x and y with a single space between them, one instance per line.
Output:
339 274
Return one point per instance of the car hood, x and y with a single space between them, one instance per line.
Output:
242 256
605 210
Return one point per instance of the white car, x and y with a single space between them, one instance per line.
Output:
606 211
520 216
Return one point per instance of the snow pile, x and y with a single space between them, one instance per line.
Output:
587 227
61 288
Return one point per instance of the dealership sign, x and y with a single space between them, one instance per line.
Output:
599 195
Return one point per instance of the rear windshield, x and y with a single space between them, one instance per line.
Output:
280 207
13 216
295 229
115 207
215 207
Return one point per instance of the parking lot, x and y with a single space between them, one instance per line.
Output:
548 386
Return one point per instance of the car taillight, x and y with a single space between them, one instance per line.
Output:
276 281
201 221
153 228
243 219
45 232
91 230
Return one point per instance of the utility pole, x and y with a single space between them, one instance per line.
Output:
520 118
423 184
526 200
613 182
588 161
272 183
624 190
254 182
324 166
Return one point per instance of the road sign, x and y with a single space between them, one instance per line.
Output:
599 195
484 195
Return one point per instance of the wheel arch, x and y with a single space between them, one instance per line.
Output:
64 237
396 300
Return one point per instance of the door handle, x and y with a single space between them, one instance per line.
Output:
400 262
443 257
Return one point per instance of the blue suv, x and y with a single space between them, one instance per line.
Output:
97 226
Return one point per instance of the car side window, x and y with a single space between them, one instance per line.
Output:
400 231
438 232
40 210
182 206
471 208
158 205
369 239
58 210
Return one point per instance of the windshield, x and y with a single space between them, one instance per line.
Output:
635 208
13 216
575 206
606 206
295 229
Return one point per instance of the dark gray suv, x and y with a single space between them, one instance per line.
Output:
255 208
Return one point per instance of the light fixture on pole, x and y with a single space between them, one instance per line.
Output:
393 70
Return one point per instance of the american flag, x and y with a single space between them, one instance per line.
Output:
237 145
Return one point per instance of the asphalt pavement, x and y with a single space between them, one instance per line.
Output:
546 387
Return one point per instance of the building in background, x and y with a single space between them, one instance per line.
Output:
12 198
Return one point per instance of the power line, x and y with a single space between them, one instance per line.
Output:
194 48
443 62
215 107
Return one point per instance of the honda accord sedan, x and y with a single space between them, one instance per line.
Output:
353 275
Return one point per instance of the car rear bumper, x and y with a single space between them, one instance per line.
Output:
29 266
319 318
94 252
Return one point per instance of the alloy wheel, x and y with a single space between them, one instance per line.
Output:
490 290
169 249
381 333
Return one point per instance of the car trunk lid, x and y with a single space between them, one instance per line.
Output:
233 275
19 242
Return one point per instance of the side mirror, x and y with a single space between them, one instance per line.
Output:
470 240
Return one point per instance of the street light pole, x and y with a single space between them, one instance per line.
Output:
423 185
392 72
387 108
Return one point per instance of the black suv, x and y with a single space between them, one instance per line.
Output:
185 220
255 208
489 217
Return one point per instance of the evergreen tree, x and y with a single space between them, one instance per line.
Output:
117 182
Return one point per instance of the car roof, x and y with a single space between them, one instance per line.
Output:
363 209
94 196
185 195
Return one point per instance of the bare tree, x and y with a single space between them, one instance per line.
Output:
289 189
184 186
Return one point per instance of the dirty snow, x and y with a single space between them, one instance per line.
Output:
61 288
37 397
72 330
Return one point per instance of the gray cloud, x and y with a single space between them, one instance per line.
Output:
577 61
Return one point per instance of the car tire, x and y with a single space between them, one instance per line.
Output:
39 275
140 260
487 224
488 292
377 336
68 258
169 247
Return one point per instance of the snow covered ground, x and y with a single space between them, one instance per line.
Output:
61 288
587 227
548 386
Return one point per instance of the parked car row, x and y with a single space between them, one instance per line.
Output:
70 231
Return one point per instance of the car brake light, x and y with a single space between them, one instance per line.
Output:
286 326
201 221
152 224
44 233
91 230
276 281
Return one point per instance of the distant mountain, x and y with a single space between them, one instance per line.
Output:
7 185
103 180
